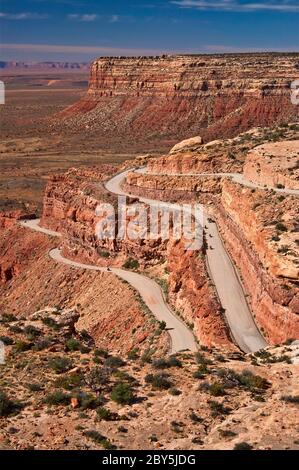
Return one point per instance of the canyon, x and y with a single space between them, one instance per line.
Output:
84 317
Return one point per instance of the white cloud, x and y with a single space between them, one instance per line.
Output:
237 5
87 17
23 16
114 18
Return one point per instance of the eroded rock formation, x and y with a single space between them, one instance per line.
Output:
184 96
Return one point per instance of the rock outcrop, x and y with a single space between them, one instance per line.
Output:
275 164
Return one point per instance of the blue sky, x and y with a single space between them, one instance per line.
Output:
84 29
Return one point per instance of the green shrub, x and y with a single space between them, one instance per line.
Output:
202 360
216 389
114 362
35 387
106 415
291 399
69 382
226 433
60 364
201 372
281 227
42 344
133 354
122 394
218 409
99 352
57 398
243 446
97 378
174 391
51 323
99 439
88 401
6 340
131 263
159 381
22 346
7 318
252 381
31 332
72 344
8 407
162 363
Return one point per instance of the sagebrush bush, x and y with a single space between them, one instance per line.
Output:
160 381
122 393
60 364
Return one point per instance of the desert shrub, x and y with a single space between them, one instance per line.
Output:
131 263
124 377
133 354
51 323
202 360
104 254
122 429
218 409
69 382
159 381
122 394
162 363
42 344
100 352
226 433
97 378
72 344
195 418
291 399
6 340
60 364
106 415
7 318
35 387
8 407
174 391
114 362
22 346
146 357
99 439
31 332
243 446
88 401
57 398
246 379
162 325
216 389
201 372
281 227
252 381
15 329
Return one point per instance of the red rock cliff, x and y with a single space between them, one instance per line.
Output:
180 96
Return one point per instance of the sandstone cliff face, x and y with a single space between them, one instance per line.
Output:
192 294
183 96
269 271
275 164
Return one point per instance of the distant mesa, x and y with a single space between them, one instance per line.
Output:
175 97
